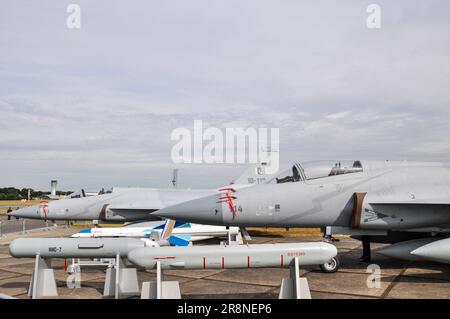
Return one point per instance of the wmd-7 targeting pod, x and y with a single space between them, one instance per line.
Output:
233 256
75 247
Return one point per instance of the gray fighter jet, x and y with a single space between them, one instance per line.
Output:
122 204
381 201
127 204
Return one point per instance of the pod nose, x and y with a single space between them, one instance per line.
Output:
23 247
139 257
13 248
205 210
329 251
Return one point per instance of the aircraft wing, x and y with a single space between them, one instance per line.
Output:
137 204
126 214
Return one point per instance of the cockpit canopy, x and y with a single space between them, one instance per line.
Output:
317 169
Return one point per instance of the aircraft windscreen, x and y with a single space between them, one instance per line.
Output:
316 169
319 169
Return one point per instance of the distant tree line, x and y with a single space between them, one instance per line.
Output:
11 193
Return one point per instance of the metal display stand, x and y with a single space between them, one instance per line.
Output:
160 289
235 239
294 287
77 264
121 281
43 283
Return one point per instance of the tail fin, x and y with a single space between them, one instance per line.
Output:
175 240
168 228
180 240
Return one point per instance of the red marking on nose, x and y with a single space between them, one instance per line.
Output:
223 262
204 262
229 198
282 261
248 262
228 189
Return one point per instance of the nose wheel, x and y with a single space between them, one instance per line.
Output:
330 267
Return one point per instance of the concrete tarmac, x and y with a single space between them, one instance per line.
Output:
16 225
398 279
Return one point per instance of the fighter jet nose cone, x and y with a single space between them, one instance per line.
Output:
388 251
422 252
206 210
434 251
404 250
27 212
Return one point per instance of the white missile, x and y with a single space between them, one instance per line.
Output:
233 256
197 232
438 251
146 253
113 232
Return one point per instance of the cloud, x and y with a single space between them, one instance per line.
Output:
96 106
431 148
339 115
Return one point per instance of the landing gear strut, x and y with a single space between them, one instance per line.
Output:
366 249
330 239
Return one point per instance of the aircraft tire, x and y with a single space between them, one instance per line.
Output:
330 267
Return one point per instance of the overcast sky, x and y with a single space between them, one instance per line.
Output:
95 106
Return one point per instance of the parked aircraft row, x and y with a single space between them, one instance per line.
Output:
382 201
128 204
